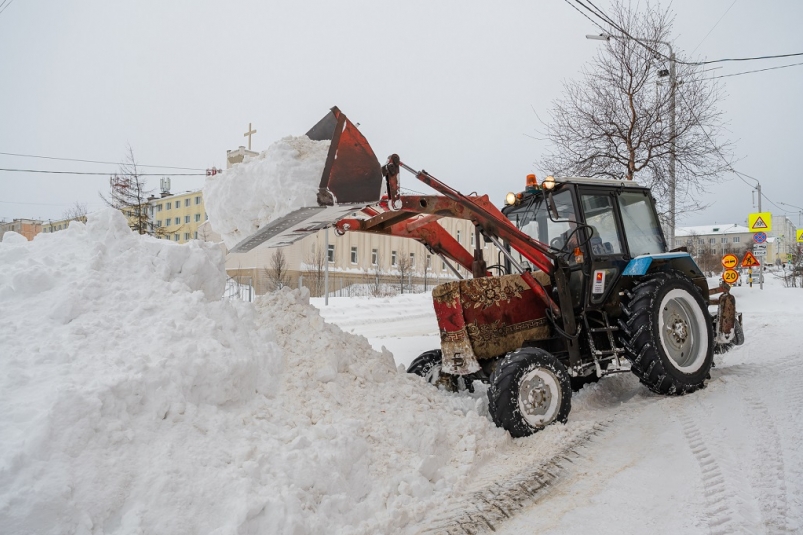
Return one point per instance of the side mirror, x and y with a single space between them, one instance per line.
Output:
553 208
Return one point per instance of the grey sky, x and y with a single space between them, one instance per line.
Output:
453 87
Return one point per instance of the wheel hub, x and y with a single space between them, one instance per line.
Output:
535 396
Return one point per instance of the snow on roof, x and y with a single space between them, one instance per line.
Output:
702 230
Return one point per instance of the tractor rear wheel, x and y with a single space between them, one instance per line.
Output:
529 390
668 334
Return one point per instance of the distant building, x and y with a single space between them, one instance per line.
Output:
27 227
709 243
784 233
176 217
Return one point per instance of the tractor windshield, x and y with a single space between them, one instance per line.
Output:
534 219
643 231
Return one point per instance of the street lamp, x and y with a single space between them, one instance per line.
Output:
672 80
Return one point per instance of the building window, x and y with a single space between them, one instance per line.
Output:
471 236
712 241
195 237
197 217
169 205
186 219
443 266
429 261
187 201
198 199
330 254
158 207
736 239
374 257
724 240
353 255
393 258
186 235
175 237
412 260
158 222
177 221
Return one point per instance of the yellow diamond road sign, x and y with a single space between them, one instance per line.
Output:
800 235
760 222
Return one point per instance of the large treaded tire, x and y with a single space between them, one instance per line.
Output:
650 341
507 381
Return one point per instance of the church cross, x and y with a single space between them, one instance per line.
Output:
248 135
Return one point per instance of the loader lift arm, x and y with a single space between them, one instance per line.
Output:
405 221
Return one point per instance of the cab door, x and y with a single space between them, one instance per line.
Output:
605 243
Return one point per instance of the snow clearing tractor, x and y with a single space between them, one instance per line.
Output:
585 286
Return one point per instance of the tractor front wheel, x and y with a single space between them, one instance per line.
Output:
529 390
668 334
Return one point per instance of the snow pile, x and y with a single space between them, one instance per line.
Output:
265 188
133 400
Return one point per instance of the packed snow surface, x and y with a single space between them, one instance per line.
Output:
134 400
264 188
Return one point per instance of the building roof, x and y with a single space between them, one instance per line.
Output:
706 230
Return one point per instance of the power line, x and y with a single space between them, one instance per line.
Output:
96 161
45 203
595 23
714 26
6 6
99 174
758 70
607 20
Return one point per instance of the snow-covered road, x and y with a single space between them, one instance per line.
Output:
727 459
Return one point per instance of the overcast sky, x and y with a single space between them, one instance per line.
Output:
456 88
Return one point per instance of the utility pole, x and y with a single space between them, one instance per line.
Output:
672 133
326 267
761 267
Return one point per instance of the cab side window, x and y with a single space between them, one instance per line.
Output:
641 225
599 212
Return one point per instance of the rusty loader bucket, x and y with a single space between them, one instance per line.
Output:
351 180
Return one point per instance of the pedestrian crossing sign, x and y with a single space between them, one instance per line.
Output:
760 222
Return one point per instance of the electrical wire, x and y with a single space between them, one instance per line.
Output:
6 6
607 20
715 25
758 70
96 161
98 174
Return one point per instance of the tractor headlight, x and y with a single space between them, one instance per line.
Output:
510 199
548 183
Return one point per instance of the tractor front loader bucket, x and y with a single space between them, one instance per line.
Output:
351 180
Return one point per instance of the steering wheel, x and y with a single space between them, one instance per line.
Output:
557 243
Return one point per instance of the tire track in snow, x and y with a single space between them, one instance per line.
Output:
769 473
483 510
718 497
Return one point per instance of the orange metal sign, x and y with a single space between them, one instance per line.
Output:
730 261
749 260
730 276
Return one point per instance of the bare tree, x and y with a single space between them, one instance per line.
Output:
404 266
314 268
129 194
76 212
374 276
277 271
615 122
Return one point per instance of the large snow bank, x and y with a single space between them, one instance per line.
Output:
134 400
265 188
